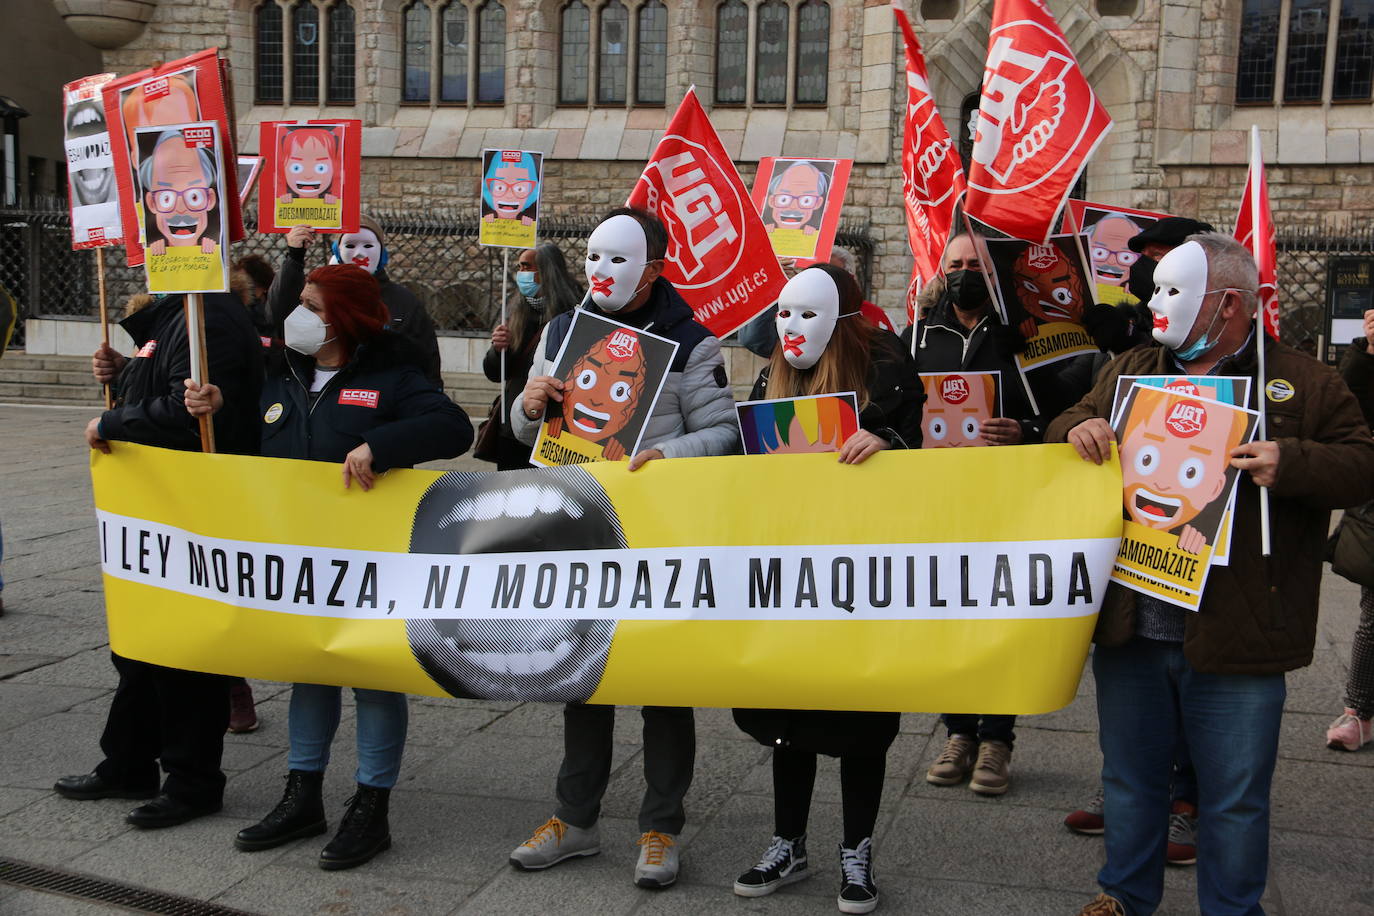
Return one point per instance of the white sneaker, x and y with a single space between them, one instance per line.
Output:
553 842
658 860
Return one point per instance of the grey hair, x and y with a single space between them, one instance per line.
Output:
145 168
1229 264
822 179
848 263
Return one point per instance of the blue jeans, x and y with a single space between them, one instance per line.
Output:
980 727
382 718
1147 695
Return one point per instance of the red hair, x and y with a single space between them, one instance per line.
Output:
352 303
297 137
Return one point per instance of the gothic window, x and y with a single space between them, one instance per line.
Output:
626 40
268 54
305 53
339 87
573 50
652 52
453 53
732 51
491 52
786 56
813 52
614 53
313 45
1291 44
416 53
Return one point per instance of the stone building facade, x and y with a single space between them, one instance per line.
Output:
1167 71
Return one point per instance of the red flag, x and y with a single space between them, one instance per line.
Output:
1038 124
1255 230
932 177
719 257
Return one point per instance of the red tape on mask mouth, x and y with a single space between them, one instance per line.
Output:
602 287
792 344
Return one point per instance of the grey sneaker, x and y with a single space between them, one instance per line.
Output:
992 772
954 763
658 860
553 842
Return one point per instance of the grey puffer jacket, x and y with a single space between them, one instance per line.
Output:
695 414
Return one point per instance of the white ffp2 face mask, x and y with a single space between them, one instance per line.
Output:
617 253
1180 286
305 332
808 308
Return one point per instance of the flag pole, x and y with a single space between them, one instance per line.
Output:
195 336
1256 173
505 294
104 317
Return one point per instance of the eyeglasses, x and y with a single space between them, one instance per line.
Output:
805 201
499 186
195 199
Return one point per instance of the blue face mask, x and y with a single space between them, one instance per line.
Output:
1204 343
524 281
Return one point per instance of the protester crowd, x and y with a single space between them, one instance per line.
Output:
1189 703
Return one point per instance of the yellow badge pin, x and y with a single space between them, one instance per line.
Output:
1279 390
273 413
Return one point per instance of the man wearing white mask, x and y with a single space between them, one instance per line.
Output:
365 248
1216 677
693 417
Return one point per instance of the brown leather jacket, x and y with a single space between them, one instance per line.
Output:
1258 615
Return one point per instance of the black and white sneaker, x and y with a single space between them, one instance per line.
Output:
783 863
859 893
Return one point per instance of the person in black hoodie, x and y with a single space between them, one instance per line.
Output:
824 347
545 290
159 714
365 248
346 390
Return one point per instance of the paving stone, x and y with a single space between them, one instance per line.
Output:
24 703
362 891
88 668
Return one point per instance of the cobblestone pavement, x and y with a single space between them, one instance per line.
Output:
478 776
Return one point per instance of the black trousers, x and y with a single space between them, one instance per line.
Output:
512 454
670 748
861 791
172 716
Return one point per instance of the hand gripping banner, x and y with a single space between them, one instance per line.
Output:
692 582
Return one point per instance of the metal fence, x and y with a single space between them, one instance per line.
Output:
435 254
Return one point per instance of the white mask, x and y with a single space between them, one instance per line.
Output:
617 253
808 308
305 331
361 249
1180 285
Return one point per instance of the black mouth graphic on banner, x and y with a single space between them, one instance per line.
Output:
514 512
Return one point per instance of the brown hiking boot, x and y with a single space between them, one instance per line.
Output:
954 763
1103 905
992 772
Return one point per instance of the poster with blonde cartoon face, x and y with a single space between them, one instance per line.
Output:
1177 483
793 426
800 202
958 405
612 375
181 187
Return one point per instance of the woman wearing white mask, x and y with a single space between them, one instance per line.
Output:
825 348
345 391
544 289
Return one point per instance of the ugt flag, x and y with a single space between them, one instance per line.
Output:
1038 124
932 178
1255 230
719 256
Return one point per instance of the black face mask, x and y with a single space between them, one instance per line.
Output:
967 289
1141 279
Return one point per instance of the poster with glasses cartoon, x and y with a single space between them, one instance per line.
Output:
612 376
181 184
312 175
512 180
92 193
1107 232
800 201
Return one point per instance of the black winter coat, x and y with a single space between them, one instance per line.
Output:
380 397
408 315
894 412
149 406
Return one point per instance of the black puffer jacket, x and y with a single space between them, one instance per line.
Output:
149 406
380 397
408 315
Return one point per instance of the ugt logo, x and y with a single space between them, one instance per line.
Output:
1186 419
954 389
684 188
1025 103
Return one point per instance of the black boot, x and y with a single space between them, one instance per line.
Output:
363 833
300 813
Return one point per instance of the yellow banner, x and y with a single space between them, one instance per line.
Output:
507 233
786 580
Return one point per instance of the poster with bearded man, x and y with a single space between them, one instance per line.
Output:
180 184
1177 483
612 375
800 201
1042 291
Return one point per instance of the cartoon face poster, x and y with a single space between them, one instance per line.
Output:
786 426
1107 231
800 201
248 169
1042 290
182 92
1228 389
512 180
1177 482
612 375
957 405
312 174
92 192
180 182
